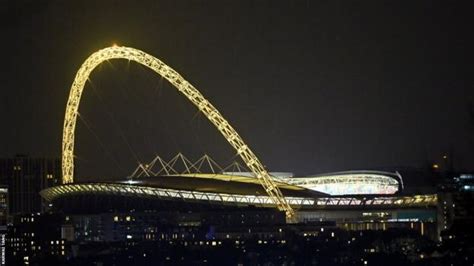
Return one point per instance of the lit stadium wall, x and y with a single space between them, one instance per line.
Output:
351 183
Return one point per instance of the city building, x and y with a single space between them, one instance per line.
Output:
35 236
3 222
242 236
3 205
455 209
24 177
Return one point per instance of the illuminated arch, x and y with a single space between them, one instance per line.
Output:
185 88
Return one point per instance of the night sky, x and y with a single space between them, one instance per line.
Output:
311 86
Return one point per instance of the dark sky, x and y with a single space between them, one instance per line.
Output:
312 86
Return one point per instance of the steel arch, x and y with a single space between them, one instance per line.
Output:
120 52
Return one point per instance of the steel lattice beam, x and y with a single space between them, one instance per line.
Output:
252 162
52 193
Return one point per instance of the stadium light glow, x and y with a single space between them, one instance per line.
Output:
349 183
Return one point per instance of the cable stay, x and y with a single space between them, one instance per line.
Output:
114 121
107 151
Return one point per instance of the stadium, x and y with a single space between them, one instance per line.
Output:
162 185
350 199
202 192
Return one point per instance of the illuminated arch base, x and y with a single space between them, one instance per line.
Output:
185 88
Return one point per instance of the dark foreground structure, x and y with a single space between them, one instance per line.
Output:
225 220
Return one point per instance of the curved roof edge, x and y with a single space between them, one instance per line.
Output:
55 192
392 174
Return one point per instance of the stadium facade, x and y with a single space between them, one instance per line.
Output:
353 200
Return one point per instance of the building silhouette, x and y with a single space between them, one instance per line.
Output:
25 177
